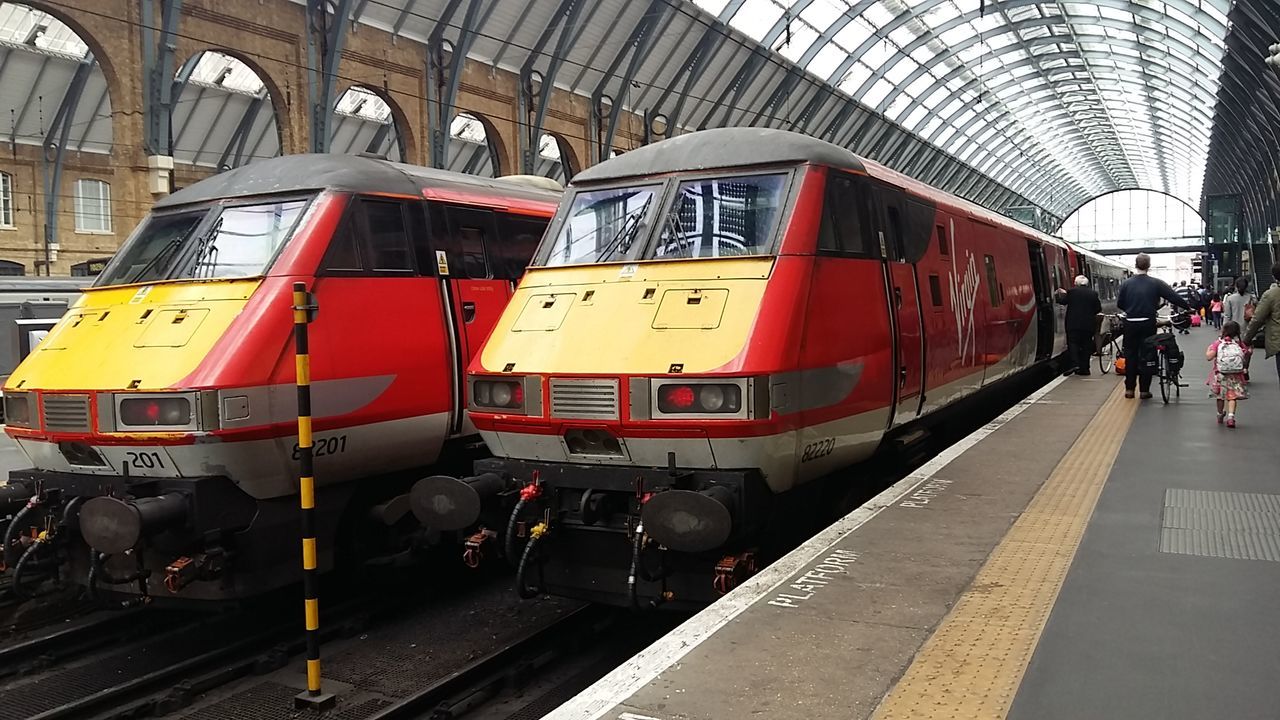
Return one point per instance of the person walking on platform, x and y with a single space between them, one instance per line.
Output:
1139 298
1266 319
1191 297
1083 307
1215 311
1226 375
1237 307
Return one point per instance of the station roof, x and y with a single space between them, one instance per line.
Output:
1030 104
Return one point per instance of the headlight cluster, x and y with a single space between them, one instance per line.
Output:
505 394
18 409
148 412
701 398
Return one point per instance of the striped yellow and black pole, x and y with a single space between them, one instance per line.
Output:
302 313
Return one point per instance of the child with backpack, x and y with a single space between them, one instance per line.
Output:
1227 375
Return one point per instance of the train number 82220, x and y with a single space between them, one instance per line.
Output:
817 449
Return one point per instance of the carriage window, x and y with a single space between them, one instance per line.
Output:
722 217
993 282
472 231
935 290
944 246
602 226
842 229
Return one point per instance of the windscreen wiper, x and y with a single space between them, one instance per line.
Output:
626 234
165 252
207 248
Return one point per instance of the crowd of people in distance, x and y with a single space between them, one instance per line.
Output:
1244 323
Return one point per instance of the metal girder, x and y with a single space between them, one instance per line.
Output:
326 36
240 136
699 59
379 139
191 114
157 70
443 82
638 46
54 152
732 93
565 23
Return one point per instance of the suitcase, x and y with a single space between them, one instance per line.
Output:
1195 321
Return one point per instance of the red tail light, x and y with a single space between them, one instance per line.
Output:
677 397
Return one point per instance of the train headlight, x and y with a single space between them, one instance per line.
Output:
18 409
517 395
157 412
700 398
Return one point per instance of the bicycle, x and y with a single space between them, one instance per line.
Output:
1109 343
1169 371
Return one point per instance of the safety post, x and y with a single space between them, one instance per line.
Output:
303 312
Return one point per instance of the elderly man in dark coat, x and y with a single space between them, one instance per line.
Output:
1083 307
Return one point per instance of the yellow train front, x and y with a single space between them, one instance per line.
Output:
712 327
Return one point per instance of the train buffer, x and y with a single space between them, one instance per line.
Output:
1083 556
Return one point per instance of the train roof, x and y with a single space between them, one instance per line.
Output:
352 173
720 148
733 147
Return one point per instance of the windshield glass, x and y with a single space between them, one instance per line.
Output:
218 242
722 217
603 225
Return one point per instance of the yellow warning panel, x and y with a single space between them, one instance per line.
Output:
972 666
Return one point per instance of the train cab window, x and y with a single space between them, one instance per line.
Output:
935 290
993 281
843 230
944 244
388 241
470 231
343 254
518 237
722 217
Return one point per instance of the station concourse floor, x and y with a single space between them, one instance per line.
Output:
1082 556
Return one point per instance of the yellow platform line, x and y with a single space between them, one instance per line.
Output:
972 665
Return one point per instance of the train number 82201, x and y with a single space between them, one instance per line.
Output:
324 446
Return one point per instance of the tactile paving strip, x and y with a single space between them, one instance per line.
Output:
972 665
1210 523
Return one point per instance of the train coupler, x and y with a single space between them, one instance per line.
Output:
473 554
189 568
733 570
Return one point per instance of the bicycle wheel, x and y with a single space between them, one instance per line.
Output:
1107 356
1177 385
1164 379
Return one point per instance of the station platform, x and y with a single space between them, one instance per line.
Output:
1081 556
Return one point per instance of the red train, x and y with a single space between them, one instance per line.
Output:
712 324
160 414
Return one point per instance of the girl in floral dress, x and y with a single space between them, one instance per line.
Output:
1226 376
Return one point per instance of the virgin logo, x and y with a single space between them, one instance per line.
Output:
964 293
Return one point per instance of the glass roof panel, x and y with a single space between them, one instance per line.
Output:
1067 91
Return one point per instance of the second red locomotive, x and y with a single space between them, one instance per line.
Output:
713 323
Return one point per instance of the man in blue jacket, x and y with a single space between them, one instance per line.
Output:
1139 298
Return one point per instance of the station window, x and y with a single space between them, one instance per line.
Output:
843 230
93 206
6 200
944 245
993 281
935 290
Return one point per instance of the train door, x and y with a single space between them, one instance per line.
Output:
1044 300
904 297
479 295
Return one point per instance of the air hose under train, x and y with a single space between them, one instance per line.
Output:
522 588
